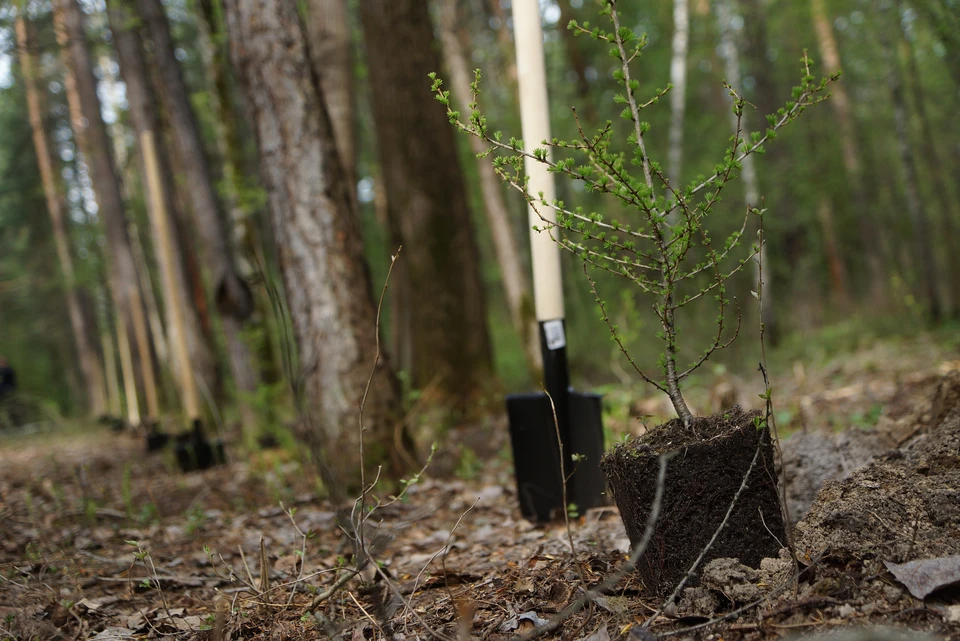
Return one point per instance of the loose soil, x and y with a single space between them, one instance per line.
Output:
459 561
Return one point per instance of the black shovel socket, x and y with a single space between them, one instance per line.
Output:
534 426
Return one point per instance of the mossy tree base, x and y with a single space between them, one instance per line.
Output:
712 457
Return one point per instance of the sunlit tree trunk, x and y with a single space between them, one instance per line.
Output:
320 248
110 372
182 323
516 284
232 295
850 152
426 201
751 190
678 94
916 208
86 353
94 143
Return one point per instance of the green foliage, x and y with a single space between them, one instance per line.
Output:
666 242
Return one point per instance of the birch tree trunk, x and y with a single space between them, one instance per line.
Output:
318 239
916 208
516 283
87 355
426 201
94 143
751 190
678 94
846 130
233 298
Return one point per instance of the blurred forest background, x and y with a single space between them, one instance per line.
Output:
231 109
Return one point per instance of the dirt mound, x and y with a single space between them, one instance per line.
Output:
811 459
903 506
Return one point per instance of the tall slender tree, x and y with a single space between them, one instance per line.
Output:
516 283
318 239
94 142
730 52
183 326
233 297
426 202
949 219
89 362
180 313
851 154
916 208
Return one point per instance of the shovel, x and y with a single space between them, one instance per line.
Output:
533 426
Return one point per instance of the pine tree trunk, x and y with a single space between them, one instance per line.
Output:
93 380
516 283
94 143
846 130
142 105
916 209
325 276
233 297
426 201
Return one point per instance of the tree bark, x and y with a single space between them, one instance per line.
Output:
328 31
916 208
577 61
426 201
850 152
320 248
949 208
233 297
678 94
182 322
94 143
516 283
751 190
86 353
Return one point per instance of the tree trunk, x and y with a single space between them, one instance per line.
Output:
949 209
678 94
426 201
328 31
751 190
93 141
577 61
320 248
516 284
110 370
89 363
916 209
244 368
233 297
840 102
182 322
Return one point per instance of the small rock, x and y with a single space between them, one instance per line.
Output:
892 593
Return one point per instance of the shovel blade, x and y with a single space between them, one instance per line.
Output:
536 453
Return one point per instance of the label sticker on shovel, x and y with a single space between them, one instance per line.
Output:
553 332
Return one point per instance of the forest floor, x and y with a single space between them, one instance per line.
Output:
99 541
